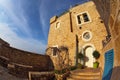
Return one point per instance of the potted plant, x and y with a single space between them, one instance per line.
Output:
96 55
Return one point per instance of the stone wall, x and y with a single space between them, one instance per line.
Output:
96 27
111 11
2 42
114 28
61 36
113 23
20 62
103 7
115 32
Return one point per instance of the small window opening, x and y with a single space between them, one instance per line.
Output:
79 20
85 16
54 50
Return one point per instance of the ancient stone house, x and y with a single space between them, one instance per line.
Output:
83 28
88 27
80 29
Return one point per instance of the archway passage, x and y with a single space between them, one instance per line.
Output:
89 57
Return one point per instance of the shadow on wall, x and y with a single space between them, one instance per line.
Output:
51 66
115 73
103 8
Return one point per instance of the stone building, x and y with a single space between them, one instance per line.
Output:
91 26
80 29
84 28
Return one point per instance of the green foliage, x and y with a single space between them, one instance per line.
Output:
65 70
59 71
62 71
96 54
80 56
95 64
73 67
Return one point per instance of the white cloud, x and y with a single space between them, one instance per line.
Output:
15 12
47 9
27 44
44 12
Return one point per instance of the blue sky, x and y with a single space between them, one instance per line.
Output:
25 23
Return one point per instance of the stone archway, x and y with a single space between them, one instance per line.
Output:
89 58
88 50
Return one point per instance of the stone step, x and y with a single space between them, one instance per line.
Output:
85 77
86 70
85 74
80 79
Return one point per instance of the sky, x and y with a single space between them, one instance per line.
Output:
24 24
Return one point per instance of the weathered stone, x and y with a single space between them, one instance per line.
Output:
69 31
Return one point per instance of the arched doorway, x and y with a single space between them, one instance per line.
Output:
89 57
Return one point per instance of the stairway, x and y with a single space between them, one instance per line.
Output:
85 74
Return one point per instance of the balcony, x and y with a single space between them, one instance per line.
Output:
106 41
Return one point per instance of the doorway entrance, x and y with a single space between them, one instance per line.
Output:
89 57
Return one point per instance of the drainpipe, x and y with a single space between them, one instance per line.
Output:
71 27
76 50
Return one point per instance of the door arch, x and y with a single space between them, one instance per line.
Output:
88 50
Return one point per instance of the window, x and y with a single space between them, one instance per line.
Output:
57 25
79 20
83 18
86 35
54 50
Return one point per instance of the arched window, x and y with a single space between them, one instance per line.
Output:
86 35
57 25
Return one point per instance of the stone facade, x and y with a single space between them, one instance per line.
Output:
103 7
114 28
78 35
111 10
107 11
83 28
